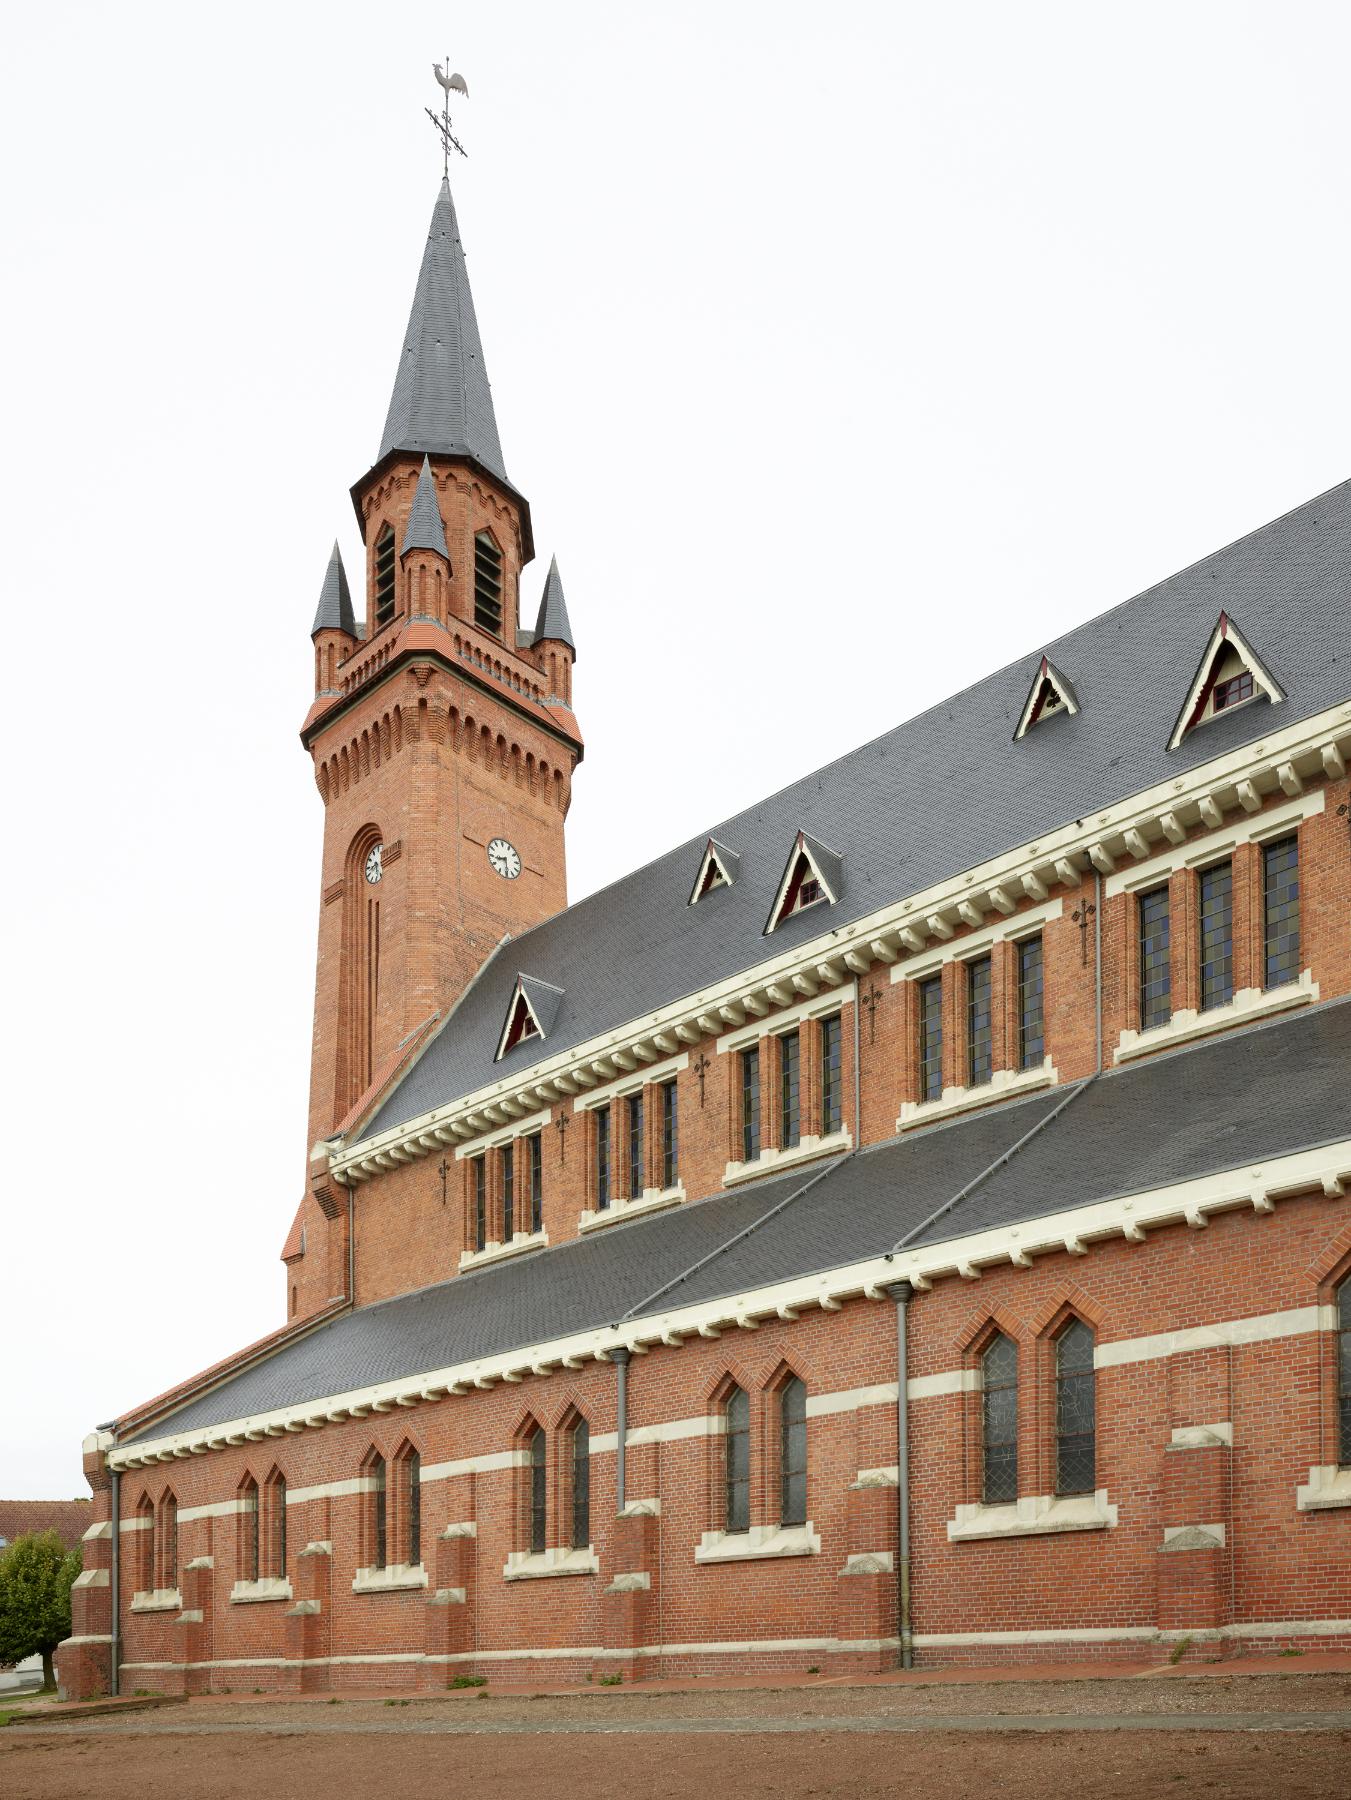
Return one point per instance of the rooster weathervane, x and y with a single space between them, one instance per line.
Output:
449 84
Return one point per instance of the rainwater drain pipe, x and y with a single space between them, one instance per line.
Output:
620 1358
902 1292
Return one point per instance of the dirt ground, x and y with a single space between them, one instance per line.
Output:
1264 1737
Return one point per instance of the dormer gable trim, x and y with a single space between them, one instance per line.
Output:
1226 642
810 862
1051 693
717 868
533 1009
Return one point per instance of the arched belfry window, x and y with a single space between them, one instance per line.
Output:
487 584
386 567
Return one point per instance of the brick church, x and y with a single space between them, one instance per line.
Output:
908 1223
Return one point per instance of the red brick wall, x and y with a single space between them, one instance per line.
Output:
1278 1565
406 1239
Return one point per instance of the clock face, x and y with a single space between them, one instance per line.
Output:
505 859
373 869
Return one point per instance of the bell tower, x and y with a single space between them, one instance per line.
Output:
442 731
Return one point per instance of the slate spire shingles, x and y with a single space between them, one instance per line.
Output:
442 401
334 612
552 621
426 529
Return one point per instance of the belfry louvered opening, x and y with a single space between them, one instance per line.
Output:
384 577
487 584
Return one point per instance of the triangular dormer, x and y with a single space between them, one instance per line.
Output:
813 874
718 868
1229 674
1050 695
534 1007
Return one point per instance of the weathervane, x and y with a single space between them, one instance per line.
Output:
441 121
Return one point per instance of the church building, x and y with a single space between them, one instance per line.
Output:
906 1224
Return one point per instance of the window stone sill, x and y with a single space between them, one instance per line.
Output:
652 1200
1033 1515
770 1161
528 1565
954 1100
394 1578
761 1542
491 1253
267 1587
1327 1487
157 1600
1188 1023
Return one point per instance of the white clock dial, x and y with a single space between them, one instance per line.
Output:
505 859
373 868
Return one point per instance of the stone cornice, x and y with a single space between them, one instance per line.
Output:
1131 829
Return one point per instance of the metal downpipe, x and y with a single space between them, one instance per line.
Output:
902 1293
620 1358
115 1586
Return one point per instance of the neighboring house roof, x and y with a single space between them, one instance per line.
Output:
442 401
552 620
69 1519
1255 1094
940 793
334 612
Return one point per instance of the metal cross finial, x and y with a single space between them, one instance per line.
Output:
871 998
1082 915
441 120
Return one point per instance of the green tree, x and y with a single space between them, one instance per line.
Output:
36 1575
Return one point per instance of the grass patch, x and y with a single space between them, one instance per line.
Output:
464 1681
1179 1650
611 1680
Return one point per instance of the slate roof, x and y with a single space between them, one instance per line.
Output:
1250 1095
939 794
334 612
552 620
425 529
442 401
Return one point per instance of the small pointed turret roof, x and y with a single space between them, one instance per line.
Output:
334 612
442 401
426 529
552 621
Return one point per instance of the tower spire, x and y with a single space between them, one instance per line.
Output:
442 402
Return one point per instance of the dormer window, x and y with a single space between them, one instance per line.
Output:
1233 690
385 564
1229 675
487 584
533 1009
813 874
717 868
1050 695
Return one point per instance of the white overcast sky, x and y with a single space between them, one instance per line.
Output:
845 354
